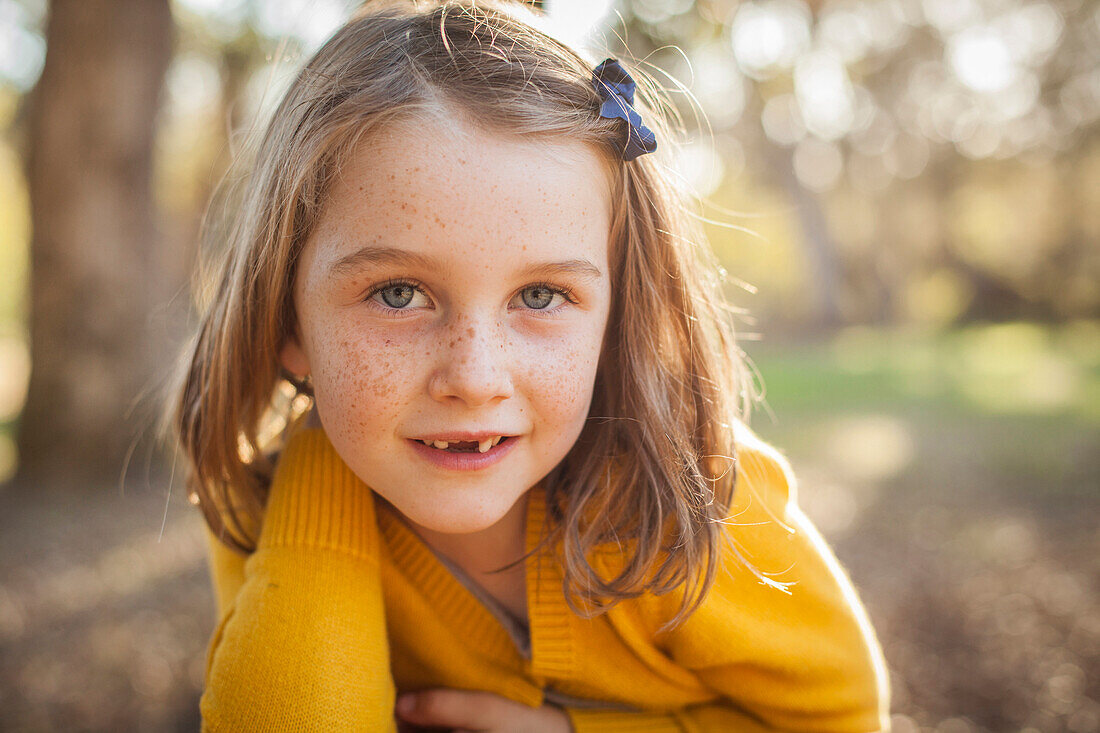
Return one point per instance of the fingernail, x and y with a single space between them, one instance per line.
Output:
406 703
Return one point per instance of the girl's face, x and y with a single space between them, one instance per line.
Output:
456 286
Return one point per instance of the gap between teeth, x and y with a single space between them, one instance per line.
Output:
482 446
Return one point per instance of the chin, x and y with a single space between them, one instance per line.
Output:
456 517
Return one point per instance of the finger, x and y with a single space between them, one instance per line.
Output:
451 708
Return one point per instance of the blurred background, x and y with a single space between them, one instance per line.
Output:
905 195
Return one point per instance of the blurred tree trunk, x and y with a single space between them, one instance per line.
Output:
816 240
94 304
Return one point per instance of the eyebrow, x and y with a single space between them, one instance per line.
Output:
371 255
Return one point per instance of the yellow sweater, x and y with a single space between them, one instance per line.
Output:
342 607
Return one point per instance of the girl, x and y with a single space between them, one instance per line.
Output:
510 489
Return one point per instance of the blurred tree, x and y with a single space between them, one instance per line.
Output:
96 278
930 149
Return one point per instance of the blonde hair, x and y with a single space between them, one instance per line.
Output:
653 469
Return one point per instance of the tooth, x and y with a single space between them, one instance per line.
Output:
441 444
426 442
484 445
497 439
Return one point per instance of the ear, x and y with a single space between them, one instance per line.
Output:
293 358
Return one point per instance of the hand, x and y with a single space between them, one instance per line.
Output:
468 710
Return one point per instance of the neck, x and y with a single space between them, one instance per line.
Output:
486 550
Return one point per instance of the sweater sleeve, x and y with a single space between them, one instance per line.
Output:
782 637
301 644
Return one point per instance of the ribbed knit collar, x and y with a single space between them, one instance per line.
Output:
548 615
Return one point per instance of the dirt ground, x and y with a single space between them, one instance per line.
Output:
981 578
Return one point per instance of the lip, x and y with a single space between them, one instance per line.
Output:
464 461
460 435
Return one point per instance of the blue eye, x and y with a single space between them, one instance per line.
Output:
402 293
395 295
543 295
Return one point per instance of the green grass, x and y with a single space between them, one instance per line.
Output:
1015 370
1007 411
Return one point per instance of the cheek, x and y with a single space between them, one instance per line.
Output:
361 383
561 384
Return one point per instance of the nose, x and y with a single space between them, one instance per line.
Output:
473 365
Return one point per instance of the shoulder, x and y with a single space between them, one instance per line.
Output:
226 571
781 602
764 474
764 517
763 522
774 570
765 547
314 501
317 501
759 535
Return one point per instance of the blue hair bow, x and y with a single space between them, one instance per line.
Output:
616 89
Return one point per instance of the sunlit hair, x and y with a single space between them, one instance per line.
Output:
653 469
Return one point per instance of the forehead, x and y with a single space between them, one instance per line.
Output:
459 194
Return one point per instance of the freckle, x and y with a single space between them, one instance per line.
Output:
409 225
470 331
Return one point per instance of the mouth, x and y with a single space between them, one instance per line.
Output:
464 455
467 446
